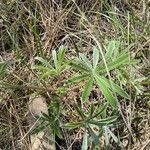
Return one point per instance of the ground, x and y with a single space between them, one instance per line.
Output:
34 30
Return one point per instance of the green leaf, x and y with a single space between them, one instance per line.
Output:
105 90
78 78
39 128
85 61
95 57
85 141
54 54
3 67
103 108
41 68
94 137
79 111
61 54
78 67
43 61
116 51
91 110
62 68
72 125
107 138
112 134
115 87
120 91
87 90
103 122
56 130
119 61
56 107
110 49
47 74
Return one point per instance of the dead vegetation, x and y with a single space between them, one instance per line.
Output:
30 29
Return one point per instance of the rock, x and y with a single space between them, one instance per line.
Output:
44 140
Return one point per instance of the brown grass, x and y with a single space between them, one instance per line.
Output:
30 29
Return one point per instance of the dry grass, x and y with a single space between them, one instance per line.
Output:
30 29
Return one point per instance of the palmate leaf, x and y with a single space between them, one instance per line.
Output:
115 87
105 90
95 57
87 90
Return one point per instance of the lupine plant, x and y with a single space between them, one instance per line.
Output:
95 122
95 72
54 68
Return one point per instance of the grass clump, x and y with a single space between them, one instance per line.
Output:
89 59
